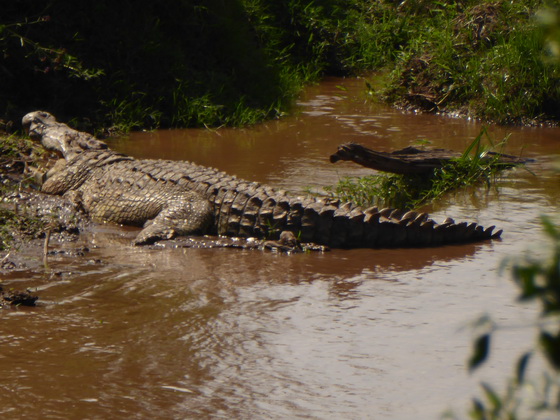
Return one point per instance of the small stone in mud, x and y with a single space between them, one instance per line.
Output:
17 298
6 264
78 252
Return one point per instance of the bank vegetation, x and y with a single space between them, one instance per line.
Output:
149 64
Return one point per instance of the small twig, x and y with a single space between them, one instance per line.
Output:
46 246
5 258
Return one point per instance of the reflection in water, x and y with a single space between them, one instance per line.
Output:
131 332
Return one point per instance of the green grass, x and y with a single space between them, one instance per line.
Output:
475 166
483 59
188 64
12 147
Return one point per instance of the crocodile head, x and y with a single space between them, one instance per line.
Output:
42 126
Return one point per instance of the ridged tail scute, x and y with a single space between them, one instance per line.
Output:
391 228
317 224
341 227
249 216
265 216
261 212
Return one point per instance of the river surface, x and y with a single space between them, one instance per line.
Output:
127 332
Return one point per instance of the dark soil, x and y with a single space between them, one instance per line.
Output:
17 298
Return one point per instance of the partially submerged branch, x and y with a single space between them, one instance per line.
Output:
413 161
418 176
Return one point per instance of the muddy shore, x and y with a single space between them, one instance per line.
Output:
33 224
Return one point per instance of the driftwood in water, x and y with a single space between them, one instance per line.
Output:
410 160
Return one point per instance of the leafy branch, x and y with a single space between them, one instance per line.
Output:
54 59
538 279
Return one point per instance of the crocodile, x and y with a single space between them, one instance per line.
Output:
179 198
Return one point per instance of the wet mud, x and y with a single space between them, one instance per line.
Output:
16 298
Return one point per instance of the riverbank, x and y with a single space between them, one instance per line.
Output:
25 214
494 61
240 62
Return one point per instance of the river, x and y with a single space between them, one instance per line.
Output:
135 333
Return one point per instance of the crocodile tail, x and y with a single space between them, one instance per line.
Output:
345 225
249 209
374 228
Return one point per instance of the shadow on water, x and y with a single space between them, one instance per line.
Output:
127 332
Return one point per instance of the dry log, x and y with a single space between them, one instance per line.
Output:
410 160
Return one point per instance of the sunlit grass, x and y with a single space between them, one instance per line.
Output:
483 59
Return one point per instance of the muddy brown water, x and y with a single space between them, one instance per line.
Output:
127 332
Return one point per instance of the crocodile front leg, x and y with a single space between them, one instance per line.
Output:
185 214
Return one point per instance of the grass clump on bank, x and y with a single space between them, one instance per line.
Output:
15 224
485 59
24 213
475 166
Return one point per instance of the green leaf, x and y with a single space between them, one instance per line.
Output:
477 411
475 145
549 227
522 367
492 397
551 347
481 348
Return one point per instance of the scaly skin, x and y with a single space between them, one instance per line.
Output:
171 198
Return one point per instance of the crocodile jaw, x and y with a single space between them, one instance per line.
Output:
41 125
36 125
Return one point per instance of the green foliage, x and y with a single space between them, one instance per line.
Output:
53 59
186 63
549 19
480 58
15 156
83 60
236 62
538 279
481 350
12 147
476 165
